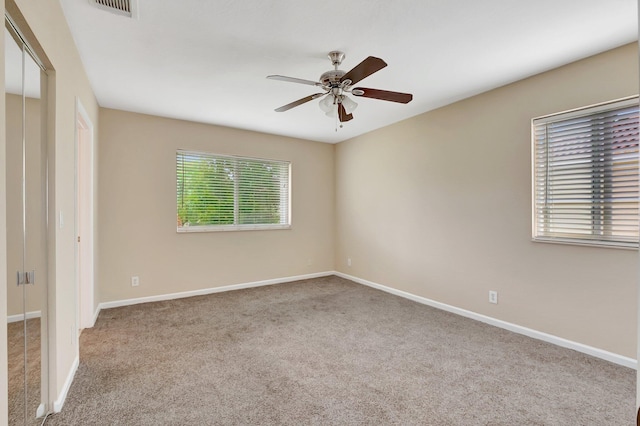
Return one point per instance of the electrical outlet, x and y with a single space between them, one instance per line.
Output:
349 262
135 281
493 296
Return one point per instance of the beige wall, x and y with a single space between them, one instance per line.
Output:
138 210
440 206
46 29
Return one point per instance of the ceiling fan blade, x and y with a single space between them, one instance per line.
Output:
364 69
299 102
294 80
342 114
385 95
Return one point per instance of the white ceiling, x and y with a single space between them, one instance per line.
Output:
206 61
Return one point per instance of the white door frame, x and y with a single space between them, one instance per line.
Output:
638 329
84 218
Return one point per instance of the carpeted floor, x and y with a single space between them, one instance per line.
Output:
15 345
329 351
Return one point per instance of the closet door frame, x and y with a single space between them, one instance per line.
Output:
22 35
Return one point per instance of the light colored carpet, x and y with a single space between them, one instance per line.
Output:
329 351
15 355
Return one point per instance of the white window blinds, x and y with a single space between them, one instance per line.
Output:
585 175
217 192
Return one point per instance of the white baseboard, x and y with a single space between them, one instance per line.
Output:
95 315
58 403
20 317
40 412
171 296
559 341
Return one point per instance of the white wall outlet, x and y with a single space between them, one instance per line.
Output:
493 296
135 281
348 261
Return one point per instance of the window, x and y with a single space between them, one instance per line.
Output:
585 175
219 193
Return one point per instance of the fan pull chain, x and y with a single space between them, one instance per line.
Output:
338 117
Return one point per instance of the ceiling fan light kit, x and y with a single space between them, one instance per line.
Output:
349 104
337 83
327 104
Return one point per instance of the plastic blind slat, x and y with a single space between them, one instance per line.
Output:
215 190
586 175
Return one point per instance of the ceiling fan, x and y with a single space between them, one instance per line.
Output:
337 83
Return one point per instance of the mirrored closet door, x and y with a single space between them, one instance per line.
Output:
26 173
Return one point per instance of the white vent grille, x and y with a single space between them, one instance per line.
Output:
120 7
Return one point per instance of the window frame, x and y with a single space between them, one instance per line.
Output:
591 240
235 226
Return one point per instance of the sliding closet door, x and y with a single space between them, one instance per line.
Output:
16 295
35 239
26 233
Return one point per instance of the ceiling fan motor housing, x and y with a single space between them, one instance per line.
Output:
332 78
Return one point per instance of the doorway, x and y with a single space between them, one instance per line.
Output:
84 218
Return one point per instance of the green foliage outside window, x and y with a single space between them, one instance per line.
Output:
218 190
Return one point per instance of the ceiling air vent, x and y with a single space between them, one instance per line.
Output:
120 7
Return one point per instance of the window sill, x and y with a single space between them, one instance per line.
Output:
228 228
583 243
